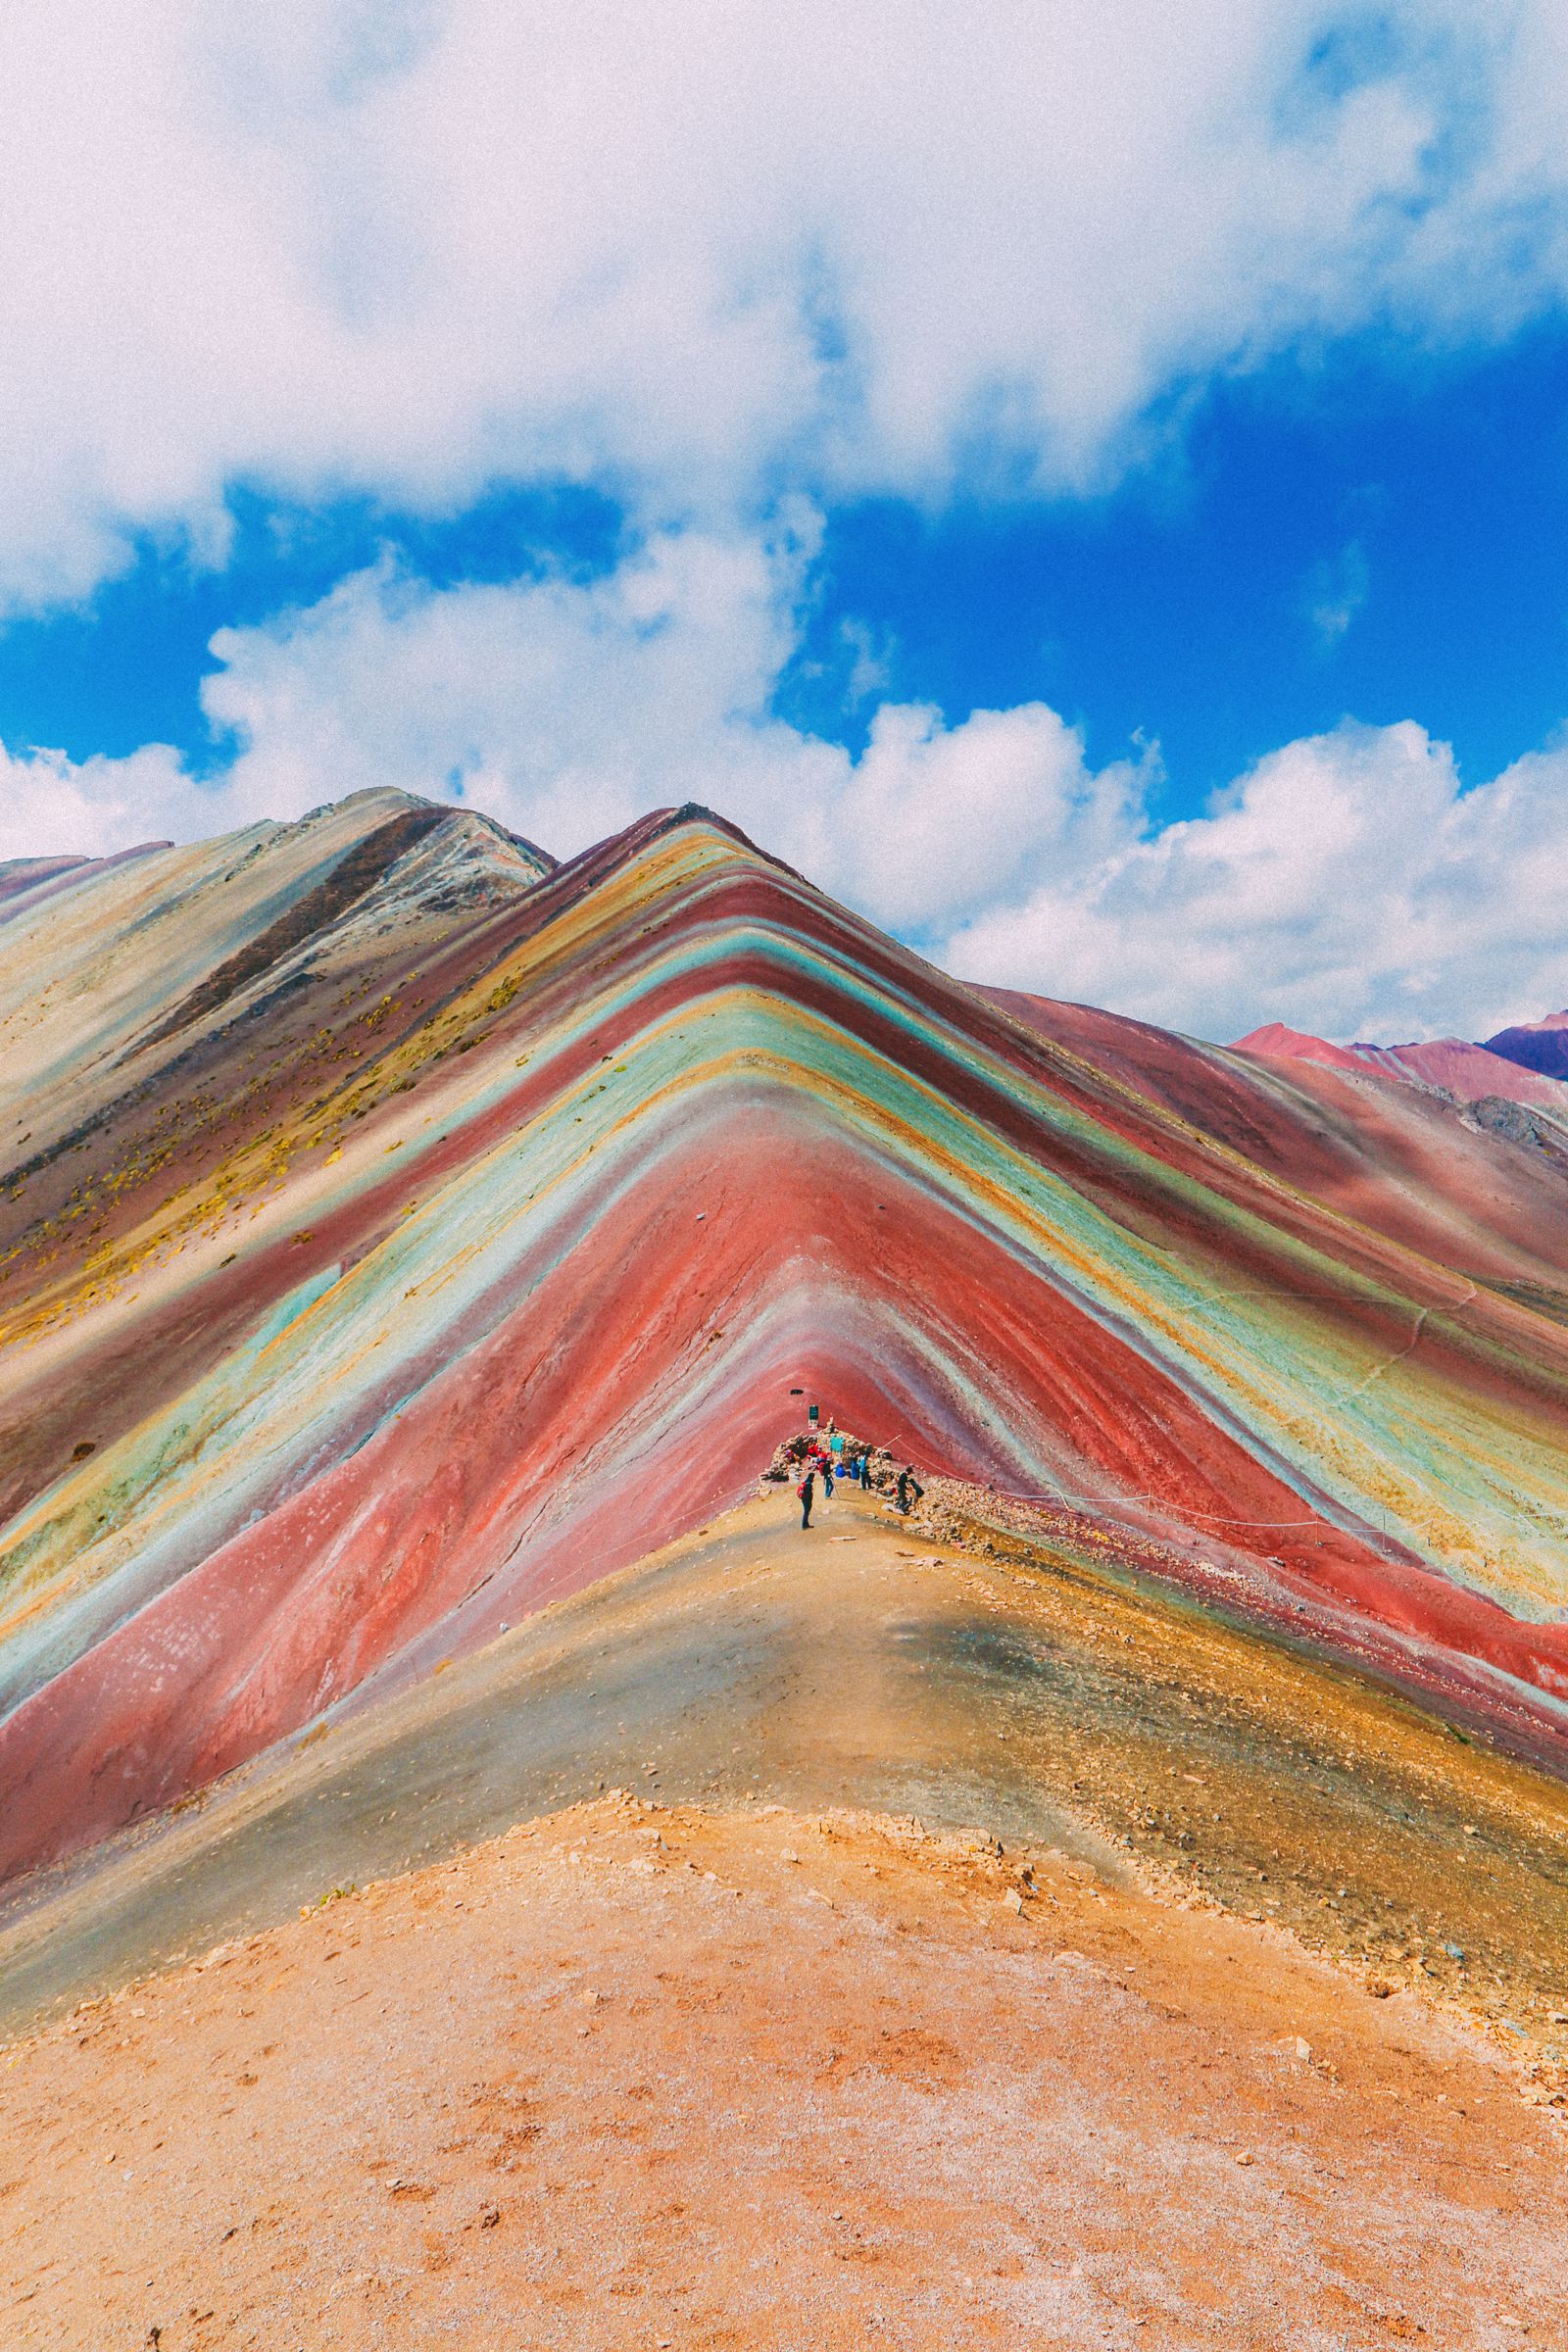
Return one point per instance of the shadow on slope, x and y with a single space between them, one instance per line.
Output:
515 1285
1031 1698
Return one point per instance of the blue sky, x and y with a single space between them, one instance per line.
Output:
123 666
1105 462
1365 531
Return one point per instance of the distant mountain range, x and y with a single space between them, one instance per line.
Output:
1524 1064
399 1230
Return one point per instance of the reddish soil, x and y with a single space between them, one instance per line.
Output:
637 2076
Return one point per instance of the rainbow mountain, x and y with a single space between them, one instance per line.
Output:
403 1231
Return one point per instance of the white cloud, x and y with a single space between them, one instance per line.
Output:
568 711
52 807
1336 593
1345 884
705 248
716 256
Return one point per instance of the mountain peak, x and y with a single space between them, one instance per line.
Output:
1276 1041
1541 1046
424 1234
1551 1020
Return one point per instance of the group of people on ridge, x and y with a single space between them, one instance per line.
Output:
827 1459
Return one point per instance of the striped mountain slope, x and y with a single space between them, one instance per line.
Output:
401 1232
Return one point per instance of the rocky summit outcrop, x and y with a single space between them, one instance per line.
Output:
401 1232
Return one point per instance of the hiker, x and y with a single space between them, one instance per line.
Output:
909 1488
805 1490
828 1477
865 1471
835 1444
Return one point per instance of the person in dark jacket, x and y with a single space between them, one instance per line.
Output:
909 1487
805 1491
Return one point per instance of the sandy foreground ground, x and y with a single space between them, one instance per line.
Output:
655 1978
644 2075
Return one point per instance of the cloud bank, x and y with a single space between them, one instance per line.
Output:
732 265
702 250
1345 884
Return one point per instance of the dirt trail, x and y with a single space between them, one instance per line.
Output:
639 2076
748 2058
1024 1695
